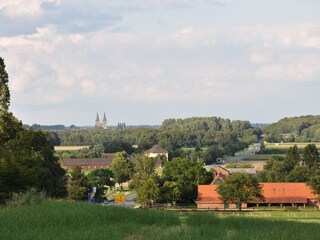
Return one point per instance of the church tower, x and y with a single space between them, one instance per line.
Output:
104 124
97 123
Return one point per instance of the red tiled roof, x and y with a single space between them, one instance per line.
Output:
286 192
208 194
272 193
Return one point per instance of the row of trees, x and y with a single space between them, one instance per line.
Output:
294 167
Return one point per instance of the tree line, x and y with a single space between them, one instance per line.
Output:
295 129
173 134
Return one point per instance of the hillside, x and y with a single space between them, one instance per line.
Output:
296 129
65 220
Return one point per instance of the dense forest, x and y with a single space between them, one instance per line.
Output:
295 129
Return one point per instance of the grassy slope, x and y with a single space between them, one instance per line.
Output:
63 220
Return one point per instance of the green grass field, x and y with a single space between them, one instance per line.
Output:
261 157
64 220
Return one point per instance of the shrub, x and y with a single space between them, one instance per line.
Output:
30 197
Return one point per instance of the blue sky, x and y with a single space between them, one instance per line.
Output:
144 61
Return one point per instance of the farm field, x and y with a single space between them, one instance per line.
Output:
65 220
256 164
70 148
288 145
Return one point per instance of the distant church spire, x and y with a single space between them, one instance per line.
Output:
103 124
97 123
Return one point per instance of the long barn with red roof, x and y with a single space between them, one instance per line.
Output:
281 193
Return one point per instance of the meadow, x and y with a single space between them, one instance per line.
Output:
65 220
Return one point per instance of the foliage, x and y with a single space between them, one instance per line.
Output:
187 175
299 129
28 161
121 167
29 197
78 185
148 192
4 88
170 192
239 188
300 173
311 156
144 180
99 179
26 156
293 167
314 182
172 135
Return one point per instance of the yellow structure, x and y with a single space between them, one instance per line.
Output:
119 198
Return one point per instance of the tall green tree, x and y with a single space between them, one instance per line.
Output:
121 167
144 180
148 192
300 173
314 182
78 185
4 89
311 157
239 188
26 157
187 175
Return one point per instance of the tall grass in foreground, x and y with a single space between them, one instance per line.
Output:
64 220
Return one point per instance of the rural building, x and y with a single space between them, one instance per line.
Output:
220 173
88 163
158 152
279 194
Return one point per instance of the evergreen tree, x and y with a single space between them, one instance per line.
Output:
311 157
78 185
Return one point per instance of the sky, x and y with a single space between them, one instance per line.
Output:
144 61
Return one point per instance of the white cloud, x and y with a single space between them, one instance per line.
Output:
21 8
88 87
70 60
